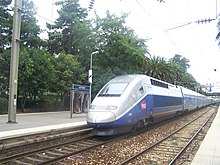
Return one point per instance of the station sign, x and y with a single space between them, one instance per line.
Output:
80 87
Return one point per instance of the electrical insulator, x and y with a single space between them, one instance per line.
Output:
204 20
91 4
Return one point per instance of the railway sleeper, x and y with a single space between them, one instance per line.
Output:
33 159
20 162
167 150
61 150
43 155
54 153
69 149
171 146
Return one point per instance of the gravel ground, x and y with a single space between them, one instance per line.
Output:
118 151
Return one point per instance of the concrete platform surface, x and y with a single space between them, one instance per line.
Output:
29 123
209 151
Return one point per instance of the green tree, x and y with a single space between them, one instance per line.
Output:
67 71
36 73
5 24
84 42
181 61
5 40
182 77
173 71
120 50
4 71
159 68
71 21
189 81
176 71
29 29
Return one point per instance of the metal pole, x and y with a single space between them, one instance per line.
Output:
90 77
12 105
90 94
90 81
71 102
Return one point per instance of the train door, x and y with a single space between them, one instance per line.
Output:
149 100
183 99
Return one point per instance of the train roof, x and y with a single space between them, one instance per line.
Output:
130 77
125 78
150 80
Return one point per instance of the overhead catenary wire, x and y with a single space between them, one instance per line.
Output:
45 18
158 26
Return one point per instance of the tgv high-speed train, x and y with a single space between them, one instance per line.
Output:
128 102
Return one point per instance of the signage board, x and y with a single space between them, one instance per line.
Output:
81 87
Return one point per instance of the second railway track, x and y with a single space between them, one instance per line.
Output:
157 149
14 149
159 144
170 148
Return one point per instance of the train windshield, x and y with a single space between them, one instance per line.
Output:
113 89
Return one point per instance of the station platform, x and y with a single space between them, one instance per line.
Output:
209 150
30 123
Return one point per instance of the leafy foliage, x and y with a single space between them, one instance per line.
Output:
53 66
68 71
173 71
120 50
4 71
29 28
157 67
71 18
36 73
5 24
181 61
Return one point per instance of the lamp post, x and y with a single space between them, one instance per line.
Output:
90 77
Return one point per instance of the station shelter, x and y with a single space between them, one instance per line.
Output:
79 99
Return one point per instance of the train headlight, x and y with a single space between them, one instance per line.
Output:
112 107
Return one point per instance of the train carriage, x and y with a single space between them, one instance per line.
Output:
131 101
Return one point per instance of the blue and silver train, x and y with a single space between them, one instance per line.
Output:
129 102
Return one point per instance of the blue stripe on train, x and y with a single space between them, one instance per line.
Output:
154 104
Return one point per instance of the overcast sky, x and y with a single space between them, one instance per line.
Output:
152 20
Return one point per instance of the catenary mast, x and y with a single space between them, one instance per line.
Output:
13 82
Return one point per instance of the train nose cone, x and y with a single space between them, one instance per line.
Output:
100 117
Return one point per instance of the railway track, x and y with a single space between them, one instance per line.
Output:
82 150
169 149
14 149
34 138
54 153
124 149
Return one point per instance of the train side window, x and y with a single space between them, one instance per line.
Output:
158 83
141 90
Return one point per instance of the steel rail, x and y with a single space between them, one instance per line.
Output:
16 156
85 149
155 144
190 141
25 140
57 158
